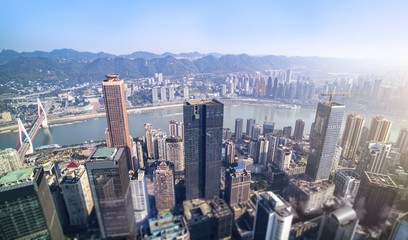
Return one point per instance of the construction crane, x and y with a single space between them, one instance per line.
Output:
331 94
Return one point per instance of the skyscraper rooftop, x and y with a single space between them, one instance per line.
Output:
17 177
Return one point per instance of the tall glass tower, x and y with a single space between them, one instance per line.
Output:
203 122
325 134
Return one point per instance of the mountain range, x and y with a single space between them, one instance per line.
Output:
70 66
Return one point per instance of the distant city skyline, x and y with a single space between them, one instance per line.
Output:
344 29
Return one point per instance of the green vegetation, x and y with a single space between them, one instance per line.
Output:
141 97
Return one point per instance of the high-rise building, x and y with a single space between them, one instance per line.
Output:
262 151
171 93
116 115
163 96
206 220
325 134
109 181
164 186
77 194
402 141
27 210
375 198
351 135
226 133
148 129
229 152
380 129
185 92
347 182
268 127
203 121
287 131
283 156
239 125
256 131
155 95
140 158
176 128
250 125
175 154
273 217
374 158
288 75
237 183
159 145
140 197
167 227
9 160
363 139
299 129
400 229
339 225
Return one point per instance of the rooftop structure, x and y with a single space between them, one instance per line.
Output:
103 153
167 227
17 177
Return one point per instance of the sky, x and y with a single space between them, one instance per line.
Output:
345 29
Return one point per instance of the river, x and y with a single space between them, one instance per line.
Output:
94 129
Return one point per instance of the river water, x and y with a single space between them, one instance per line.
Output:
94 129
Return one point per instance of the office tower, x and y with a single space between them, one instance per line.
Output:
185 92
287 131
206 220
272 218
288 75
268 127
261 156
299 129
109 181
171 93
223 89
140 197
250 126
380 129
400 229
230 152
325 133
402 141
347 182
256 131
164 186
116 115
176 128
339 225
351 135
239 125
149 131
203 122
175 154
167 227
155 95
77 194
9 160
226 133
374 158
374 199
283 156
163 96
237 183
27 210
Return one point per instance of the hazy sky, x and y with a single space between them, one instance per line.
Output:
362 28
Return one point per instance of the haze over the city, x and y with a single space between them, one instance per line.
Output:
344 29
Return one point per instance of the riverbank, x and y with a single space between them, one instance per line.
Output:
72 118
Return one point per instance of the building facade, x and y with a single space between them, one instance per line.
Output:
299 129
402 141
175 154
9 161
351 135
239 125
164 186
237 185
380 129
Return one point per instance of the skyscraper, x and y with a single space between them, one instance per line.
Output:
155 94
163 96
185 92
380 129
239 125
109 181
175 154
250 125
400 229
164 186
203 121
273 217
288 75
237 181
402 141
283 156
287 131
140 197
9 160
375 198
229 152
176 128
27 210
339 225
351 135
149 139
171 93
299 129
325 133
116 115
268 127
374 158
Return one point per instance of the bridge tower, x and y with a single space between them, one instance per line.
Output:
21 130
41 110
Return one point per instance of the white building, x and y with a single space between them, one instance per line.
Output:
9 160
140 198
273 217
186 95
